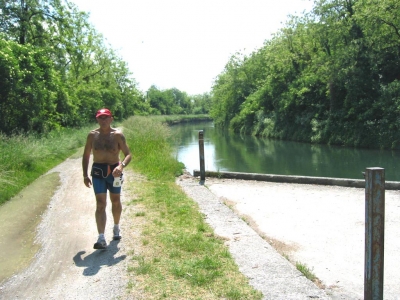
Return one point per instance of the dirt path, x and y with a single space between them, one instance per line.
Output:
67 266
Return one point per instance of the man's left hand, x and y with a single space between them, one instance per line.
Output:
118 171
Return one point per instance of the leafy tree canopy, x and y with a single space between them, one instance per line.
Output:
329 76
56 71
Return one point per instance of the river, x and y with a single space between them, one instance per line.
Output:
224 151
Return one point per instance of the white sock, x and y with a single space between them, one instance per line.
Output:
116 226
101 236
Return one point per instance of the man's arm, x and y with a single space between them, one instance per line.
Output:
126 151
85 159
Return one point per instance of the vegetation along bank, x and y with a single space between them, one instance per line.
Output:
331 76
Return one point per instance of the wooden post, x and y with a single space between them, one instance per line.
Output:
374 233
201 151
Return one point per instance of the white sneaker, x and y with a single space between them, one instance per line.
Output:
117 235
100 244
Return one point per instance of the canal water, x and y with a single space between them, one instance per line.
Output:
231 152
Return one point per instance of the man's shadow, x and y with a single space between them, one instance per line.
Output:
93 262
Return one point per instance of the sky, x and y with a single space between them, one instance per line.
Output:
185 44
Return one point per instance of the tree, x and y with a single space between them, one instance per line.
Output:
329 76
201 103
28 88
56 69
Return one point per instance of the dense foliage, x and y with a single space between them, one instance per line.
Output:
56 71
330 76
175 102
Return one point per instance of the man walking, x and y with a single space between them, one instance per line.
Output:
107 171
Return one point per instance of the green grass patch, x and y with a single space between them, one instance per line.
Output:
148 140
307 272
181 258
25 157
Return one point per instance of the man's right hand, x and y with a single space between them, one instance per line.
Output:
87 182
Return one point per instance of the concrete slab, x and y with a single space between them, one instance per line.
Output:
322 227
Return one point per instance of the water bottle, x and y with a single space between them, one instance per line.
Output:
117 181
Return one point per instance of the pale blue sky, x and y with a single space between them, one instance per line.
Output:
186 43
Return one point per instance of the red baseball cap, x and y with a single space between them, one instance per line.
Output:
103 112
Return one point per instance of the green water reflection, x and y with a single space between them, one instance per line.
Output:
242 153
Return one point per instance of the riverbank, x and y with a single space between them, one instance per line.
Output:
345 182
319 226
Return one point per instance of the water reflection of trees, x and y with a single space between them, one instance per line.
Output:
243 153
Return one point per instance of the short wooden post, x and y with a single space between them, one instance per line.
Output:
201 151
374 233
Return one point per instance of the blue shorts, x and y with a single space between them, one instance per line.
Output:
100 183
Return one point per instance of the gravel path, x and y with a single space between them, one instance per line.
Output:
67 266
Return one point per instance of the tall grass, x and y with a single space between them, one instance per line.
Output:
173 119
178 255
24 157
152 152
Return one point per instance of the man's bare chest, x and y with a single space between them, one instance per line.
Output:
105 142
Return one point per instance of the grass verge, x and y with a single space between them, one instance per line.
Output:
178 256
306 271
25 157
